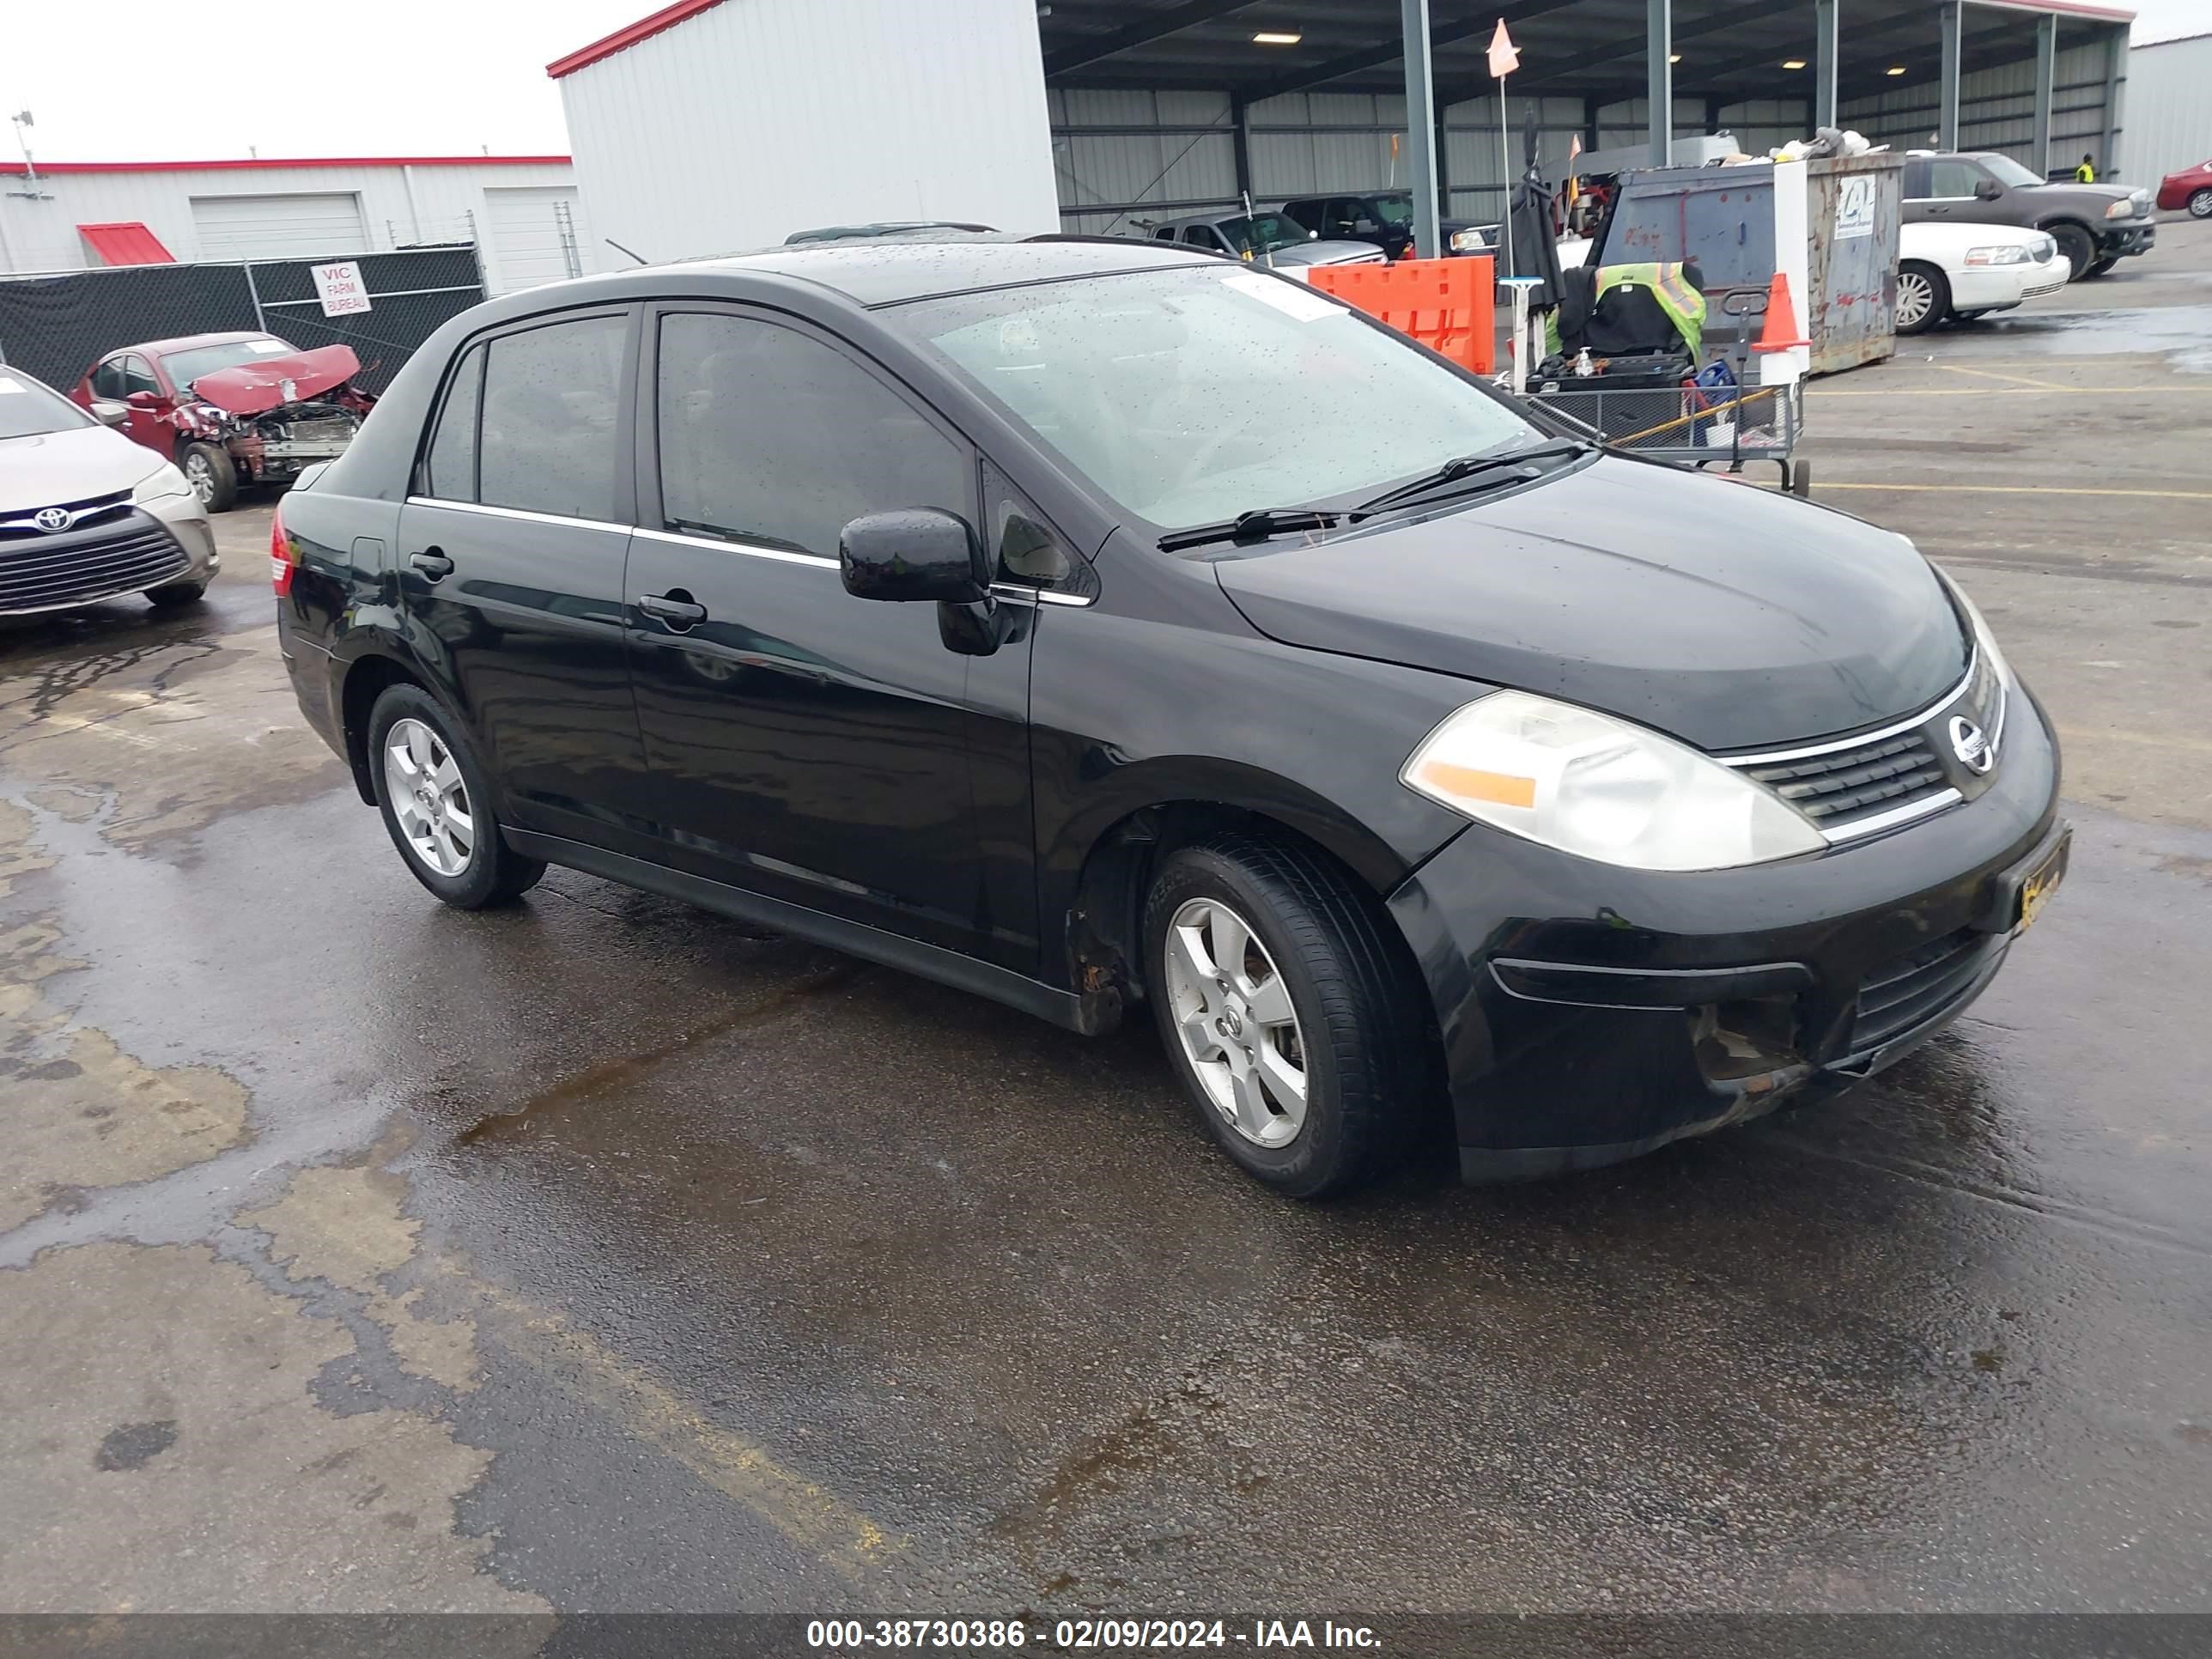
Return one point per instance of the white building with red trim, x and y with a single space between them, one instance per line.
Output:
522 211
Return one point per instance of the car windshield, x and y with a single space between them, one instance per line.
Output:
2006 171
1189 395
1263 233
1394 210
186 366
29 408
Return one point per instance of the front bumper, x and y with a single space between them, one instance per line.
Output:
1589 1013
129 549
2135 236
1997 288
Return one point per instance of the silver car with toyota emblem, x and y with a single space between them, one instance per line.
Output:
87 515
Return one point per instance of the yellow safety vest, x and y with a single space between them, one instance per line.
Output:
2085 174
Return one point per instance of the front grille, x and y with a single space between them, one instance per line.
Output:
336 430
1841 784
1919 986
18 526
135 554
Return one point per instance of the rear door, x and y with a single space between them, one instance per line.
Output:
510 567
806 743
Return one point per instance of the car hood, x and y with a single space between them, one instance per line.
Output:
1732 618
2060 190
49 468
257 387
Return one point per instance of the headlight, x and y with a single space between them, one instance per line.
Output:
1599 788
1467 241
2123 209
2014 255
161 482
1984 642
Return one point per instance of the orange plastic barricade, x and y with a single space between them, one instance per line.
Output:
1445 304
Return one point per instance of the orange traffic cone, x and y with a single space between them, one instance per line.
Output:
1780 333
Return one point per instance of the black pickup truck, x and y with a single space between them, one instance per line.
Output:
2095 226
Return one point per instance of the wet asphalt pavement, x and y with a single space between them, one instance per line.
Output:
359 1255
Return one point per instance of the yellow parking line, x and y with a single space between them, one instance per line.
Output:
2027 490
1986 374
2082 736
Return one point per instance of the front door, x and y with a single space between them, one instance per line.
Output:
131 374
510 567
806 743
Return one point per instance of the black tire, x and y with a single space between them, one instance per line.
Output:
1800 480
1937 287
2102 267
211 473
1370 1059
2200 204
495 872
2078 247
176 593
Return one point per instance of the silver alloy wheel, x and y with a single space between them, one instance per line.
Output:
1240 1033
2200 204
1915 294
423 783
201 477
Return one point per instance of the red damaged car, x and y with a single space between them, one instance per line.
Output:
231 410
2191 188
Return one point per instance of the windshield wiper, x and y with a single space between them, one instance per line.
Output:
1493 468
1254 526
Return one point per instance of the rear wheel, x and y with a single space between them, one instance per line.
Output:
1294 1029
1800 480
2200 204
1924 297
212 474
2079 248
436 803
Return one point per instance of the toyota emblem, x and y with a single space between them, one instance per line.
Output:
52 519
1971 745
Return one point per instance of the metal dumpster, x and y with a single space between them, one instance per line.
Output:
1728 220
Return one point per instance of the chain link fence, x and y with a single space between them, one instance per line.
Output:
56 327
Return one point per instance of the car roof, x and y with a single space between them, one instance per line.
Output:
186 342
892 272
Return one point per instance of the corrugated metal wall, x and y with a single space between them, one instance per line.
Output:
745 122
399 205
1124 156
2167 108
1997 111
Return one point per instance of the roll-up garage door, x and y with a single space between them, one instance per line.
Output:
297 227
533 234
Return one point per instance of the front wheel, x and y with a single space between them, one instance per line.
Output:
176 593
212 474
1923 297
436 803
1295 1028
2078 247
2101 267
2200 204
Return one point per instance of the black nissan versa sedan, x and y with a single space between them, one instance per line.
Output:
1094 625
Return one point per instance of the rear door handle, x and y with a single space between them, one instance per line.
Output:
431 562
676 608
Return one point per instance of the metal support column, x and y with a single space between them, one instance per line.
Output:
1420 127
1713 108
1659 78
2116 90
1590 107
1948 17
2047 61
1824 50
1240 141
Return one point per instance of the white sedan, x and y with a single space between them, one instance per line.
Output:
1962 271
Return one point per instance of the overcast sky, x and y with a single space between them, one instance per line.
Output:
155 80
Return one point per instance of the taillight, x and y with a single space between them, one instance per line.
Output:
283 555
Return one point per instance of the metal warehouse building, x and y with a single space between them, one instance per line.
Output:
2169 106
522 211
722 123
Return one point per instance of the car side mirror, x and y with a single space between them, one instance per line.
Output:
915 553
143 400
1989 190
108 412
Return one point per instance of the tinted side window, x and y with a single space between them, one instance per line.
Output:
552 399
107 379
1951 178
1027 550
449 470
769 435
1916 181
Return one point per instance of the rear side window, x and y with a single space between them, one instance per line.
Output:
449 470
552 401
771 436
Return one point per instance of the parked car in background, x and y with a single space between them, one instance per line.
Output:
1386 219
1260 238
1092 625
85 515
230 410
2190 189
2096 226
1300 262
1955 272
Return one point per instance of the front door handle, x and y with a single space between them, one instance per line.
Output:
676 607
431 562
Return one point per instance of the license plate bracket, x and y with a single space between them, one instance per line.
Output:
2024 890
